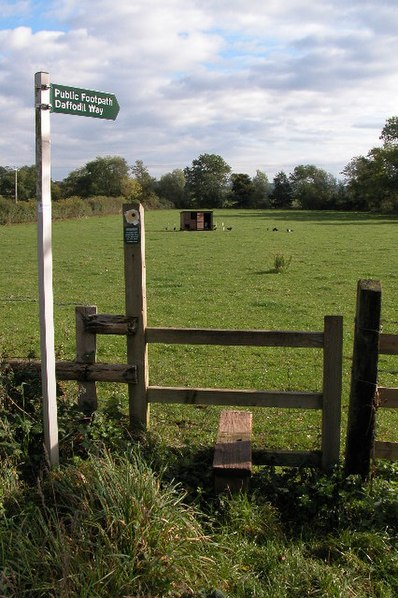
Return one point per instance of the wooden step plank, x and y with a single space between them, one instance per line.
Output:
232 463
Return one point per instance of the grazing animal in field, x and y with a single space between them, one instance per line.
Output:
229 227
274 229
289 230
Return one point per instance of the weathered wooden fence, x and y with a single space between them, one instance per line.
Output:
366 396
133 325
328 399
387 398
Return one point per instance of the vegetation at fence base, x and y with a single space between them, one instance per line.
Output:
127 516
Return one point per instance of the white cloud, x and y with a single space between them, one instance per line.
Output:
266 85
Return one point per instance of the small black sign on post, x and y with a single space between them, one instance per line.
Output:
132 226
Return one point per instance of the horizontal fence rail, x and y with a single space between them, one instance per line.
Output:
252 338
387 398
285 458
82 372
245 398
110 324
87 371
388 344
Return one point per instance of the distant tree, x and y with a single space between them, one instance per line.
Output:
147 183
262 190
242 191
207 181
313 188
360 175
171 187
389 133
372 181
131 190
21 180
102 176
106 175
281 194
76 183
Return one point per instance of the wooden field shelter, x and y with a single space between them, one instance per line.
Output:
196 220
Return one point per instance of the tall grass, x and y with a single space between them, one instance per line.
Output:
137 517
105 527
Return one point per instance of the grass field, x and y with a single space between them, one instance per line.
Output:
142 520
221 279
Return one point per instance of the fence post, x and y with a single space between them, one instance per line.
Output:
332 380
86 349
135 297
361 414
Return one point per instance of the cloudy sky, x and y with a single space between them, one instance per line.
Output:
266 84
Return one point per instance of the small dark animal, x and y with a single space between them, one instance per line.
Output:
289 230
229 227
274 229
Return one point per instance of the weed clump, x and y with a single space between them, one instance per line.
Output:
281 263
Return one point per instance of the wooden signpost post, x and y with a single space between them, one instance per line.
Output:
44 252
80 102
135 296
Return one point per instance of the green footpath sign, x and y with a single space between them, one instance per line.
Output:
83 102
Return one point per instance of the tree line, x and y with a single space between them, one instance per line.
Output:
369 183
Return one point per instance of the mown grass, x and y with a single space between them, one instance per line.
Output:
222 279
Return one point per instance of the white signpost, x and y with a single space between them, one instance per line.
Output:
99 105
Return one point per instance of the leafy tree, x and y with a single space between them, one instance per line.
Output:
171 187
207 181
389 133
262 188
242 191
106 175
131 190
141 173
21 180
313 188
372 181
102 176
281 195
147 183
76 183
